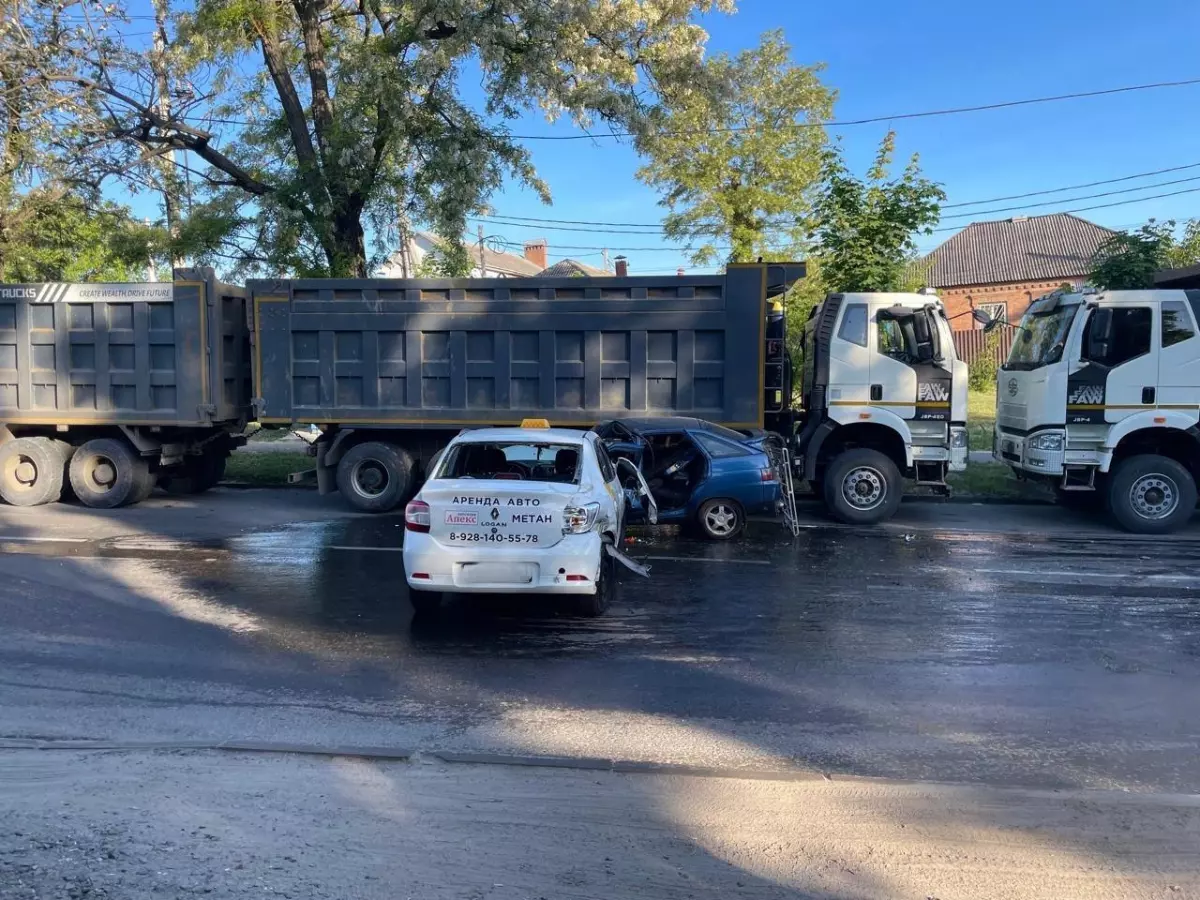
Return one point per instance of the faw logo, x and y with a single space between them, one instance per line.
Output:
933 392
1013 387
1086 395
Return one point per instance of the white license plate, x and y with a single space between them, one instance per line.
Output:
497 573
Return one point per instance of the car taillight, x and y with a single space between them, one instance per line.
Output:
768 475
579 519
416 516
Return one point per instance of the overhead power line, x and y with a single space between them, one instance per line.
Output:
836 123
870 120
1073 187
1144 187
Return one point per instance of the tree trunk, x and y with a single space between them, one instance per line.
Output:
347 244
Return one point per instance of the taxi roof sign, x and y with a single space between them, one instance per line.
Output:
535 423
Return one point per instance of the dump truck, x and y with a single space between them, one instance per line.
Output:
109 389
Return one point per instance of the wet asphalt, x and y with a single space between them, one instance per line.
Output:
972 653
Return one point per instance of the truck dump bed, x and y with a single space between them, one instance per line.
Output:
452 353
124 354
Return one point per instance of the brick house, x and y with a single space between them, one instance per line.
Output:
1002 266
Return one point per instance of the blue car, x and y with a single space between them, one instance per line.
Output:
704 476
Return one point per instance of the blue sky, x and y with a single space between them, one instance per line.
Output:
884 57
888 58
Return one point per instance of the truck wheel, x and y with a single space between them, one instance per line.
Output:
107 473
375 476
197 474
593 605
1150 494
31 471
720 519
862 487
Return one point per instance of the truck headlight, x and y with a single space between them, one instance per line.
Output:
1050 440
580 519
958 438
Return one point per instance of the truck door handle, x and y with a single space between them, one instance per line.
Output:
877 392
1147 395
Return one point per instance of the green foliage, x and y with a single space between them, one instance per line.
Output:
447 260
982 376
312 126
865 231
1129 259
49 235
732 164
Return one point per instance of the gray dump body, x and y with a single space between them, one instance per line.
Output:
124 354
453 353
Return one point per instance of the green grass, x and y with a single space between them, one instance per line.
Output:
981 418
265 469
270 434
990 481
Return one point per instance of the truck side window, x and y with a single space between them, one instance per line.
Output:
1128 337
854 324
1176 323
891 338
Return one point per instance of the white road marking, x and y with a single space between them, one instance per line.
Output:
23 539
1068 573
736 562
374 549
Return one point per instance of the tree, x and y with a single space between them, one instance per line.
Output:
312 124
737 154
51 235
1127 260
865 231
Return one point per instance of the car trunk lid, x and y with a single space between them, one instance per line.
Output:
472 511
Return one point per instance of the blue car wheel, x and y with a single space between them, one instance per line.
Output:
720 519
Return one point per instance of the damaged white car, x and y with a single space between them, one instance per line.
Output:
521 510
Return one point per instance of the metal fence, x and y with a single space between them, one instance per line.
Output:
971 345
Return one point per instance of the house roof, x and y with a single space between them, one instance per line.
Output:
509 263
568 268
1036 248
1187 277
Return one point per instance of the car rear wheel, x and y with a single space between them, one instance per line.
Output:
375 476
720 519
425 603
606 588
31 471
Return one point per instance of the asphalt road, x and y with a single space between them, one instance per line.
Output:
971 702
959 644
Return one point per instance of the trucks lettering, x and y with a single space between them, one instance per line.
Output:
1086 395
933 392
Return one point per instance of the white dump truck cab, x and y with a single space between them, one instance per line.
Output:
1100 396
884 398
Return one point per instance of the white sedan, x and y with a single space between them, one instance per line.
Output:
519 510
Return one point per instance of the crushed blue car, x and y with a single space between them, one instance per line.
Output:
704 476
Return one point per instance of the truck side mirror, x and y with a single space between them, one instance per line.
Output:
923 335
1099 335
982 318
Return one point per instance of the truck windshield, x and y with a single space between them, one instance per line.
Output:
1041 338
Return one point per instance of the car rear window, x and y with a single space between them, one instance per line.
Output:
724 432
513 461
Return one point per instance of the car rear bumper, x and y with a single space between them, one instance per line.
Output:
509 570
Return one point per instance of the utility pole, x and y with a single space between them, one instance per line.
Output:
482 267
405 267
604 258
162 84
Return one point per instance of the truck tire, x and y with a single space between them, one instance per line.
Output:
197 474
720 519
1151 494
375 476
31 471
862 487
107 473
593 605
